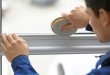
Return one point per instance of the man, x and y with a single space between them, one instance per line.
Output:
99 19
16 49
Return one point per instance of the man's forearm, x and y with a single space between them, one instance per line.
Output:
21 66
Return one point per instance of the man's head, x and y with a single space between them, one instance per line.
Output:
99 12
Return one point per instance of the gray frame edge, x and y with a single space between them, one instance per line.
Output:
0 33
55 44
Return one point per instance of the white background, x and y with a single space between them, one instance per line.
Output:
23 17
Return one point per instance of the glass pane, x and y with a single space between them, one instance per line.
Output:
70 64
26 16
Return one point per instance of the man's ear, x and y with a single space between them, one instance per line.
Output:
104 17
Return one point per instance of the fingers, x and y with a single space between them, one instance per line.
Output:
15 36
23 40
74 11
10 38
80 7
69 17
5 41
3 47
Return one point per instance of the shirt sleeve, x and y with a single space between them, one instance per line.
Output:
104 62
102 71
21 66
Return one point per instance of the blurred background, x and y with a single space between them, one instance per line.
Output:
35 16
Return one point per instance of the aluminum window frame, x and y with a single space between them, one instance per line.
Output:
56 44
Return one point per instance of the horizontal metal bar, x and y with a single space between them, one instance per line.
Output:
55 44
69 50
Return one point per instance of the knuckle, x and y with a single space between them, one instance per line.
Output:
9 46
7 36
18 41
13 43
24 41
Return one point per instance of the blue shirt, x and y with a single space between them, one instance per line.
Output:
21 66
104 62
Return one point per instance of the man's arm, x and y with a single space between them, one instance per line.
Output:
102 66
22 66
16 50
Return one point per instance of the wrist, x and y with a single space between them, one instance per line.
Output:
16 57
21 59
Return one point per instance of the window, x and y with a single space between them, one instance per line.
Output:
32 22
22 16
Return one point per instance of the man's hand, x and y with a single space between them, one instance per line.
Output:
13 46
77 17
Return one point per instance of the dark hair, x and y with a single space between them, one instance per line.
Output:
96 5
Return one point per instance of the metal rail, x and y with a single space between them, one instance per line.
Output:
55 44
